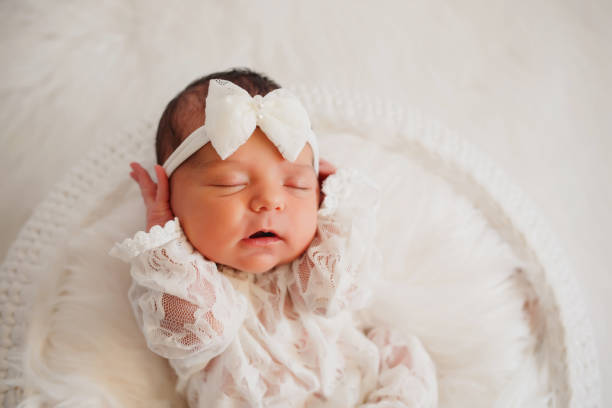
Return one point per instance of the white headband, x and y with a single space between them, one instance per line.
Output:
232 115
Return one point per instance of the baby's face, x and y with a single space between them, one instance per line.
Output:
251 211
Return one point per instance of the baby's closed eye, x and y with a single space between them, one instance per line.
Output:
299 184
228 185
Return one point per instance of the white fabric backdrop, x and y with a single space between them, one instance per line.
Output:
529 84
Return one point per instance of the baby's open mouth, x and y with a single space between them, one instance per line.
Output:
263 234
262 239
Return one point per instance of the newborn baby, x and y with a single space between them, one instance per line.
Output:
257 255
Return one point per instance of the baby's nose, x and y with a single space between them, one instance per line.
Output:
269 200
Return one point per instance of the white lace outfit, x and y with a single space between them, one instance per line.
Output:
284 338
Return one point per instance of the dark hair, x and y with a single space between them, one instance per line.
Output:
184 113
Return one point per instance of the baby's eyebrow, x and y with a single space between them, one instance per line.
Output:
298 166
201 164
216 164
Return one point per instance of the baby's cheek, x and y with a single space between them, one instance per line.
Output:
308 226
226 220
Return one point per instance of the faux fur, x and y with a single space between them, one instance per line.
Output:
454 283
527 82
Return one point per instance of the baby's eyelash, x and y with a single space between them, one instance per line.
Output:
298 186
227 189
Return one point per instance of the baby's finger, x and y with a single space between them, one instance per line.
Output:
326 164
325 169
163 194
148 188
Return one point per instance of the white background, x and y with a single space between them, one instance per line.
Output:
528 83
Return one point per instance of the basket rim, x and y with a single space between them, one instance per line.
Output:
51 219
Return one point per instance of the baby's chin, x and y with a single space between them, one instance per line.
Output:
261 263
256 266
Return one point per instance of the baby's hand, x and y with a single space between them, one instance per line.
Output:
325 169
155 196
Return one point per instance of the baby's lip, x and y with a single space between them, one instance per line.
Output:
262 233
262 238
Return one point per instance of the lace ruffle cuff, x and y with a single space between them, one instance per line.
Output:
143 241
348 188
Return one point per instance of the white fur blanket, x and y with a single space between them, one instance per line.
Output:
454 282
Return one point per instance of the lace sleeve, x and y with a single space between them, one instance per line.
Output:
335 271
183 305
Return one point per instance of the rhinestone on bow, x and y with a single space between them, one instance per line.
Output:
259 103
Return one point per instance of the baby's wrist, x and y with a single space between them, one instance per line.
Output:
161 220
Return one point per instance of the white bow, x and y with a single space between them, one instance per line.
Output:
232 115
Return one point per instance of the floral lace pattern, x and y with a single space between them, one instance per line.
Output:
238 339
143 241
334 272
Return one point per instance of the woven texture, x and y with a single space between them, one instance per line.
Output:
40 238
566 335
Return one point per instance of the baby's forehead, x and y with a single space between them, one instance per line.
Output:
206 158
229 165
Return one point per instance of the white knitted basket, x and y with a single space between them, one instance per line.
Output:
565 338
